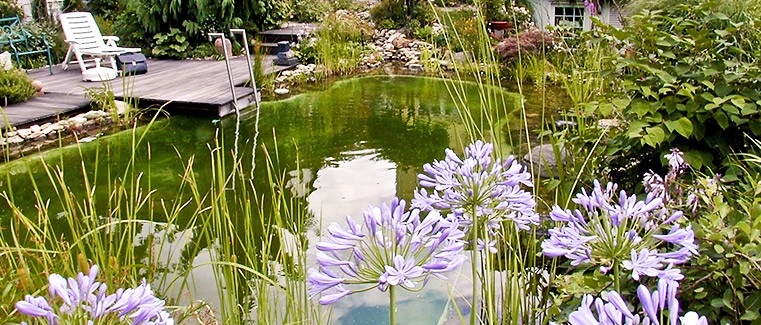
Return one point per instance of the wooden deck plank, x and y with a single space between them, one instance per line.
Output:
42 108
195 84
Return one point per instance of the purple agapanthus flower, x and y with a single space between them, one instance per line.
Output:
478 186
392 247
85 297
617 312
626 231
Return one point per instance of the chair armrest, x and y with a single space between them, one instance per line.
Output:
111 40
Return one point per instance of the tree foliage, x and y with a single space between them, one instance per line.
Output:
199 17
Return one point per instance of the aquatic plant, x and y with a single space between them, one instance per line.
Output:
628 233
83 300
393 247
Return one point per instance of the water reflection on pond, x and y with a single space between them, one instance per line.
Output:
358 143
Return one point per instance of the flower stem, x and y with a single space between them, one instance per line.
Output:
392 305
616 276
474 268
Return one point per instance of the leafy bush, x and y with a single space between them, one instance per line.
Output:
10 8
402 12
15 86
142 19
692 80
311 10
726 278
532 41
172 45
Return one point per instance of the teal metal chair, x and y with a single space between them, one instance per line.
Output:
13 34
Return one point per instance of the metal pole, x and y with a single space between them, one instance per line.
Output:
250 66
227 63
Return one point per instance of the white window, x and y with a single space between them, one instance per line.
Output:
569 16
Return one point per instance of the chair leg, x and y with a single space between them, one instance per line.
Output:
65 64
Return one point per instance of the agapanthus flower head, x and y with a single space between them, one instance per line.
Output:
617 312
478 186
625 231
675 160
392 247
86 298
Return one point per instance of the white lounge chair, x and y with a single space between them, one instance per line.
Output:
86 43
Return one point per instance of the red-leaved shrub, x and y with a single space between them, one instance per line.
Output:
531 41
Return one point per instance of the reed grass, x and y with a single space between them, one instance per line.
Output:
244 230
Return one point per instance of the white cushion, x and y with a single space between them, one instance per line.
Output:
99 74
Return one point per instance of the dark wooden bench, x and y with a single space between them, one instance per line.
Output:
13 34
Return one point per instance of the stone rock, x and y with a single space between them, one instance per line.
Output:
15 139
94 114
608 123
415 67
462 57
400 42
24 133
282 91
542 157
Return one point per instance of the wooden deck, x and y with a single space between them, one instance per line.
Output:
187 85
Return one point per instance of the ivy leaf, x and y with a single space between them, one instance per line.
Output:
722 119
682 126
654 136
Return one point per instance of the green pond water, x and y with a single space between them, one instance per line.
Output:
359 142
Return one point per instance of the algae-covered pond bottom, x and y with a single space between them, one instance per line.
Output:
358 143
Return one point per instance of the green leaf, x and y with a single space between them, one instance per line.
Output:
654 136
635 128
640 107
722 119
755 127
621 103
738 101
744 227
682 126
750 315
718 248
606 109
721 32
749 108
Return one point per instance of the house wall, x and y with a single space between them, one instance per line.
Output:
544 13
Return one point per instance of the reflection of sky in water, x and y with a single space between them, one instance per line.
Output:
347 186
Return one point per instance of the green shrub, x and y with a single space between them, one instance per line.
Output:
725 280
172 45
311 10
143 19
402 12
10 8
691 79
15 87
